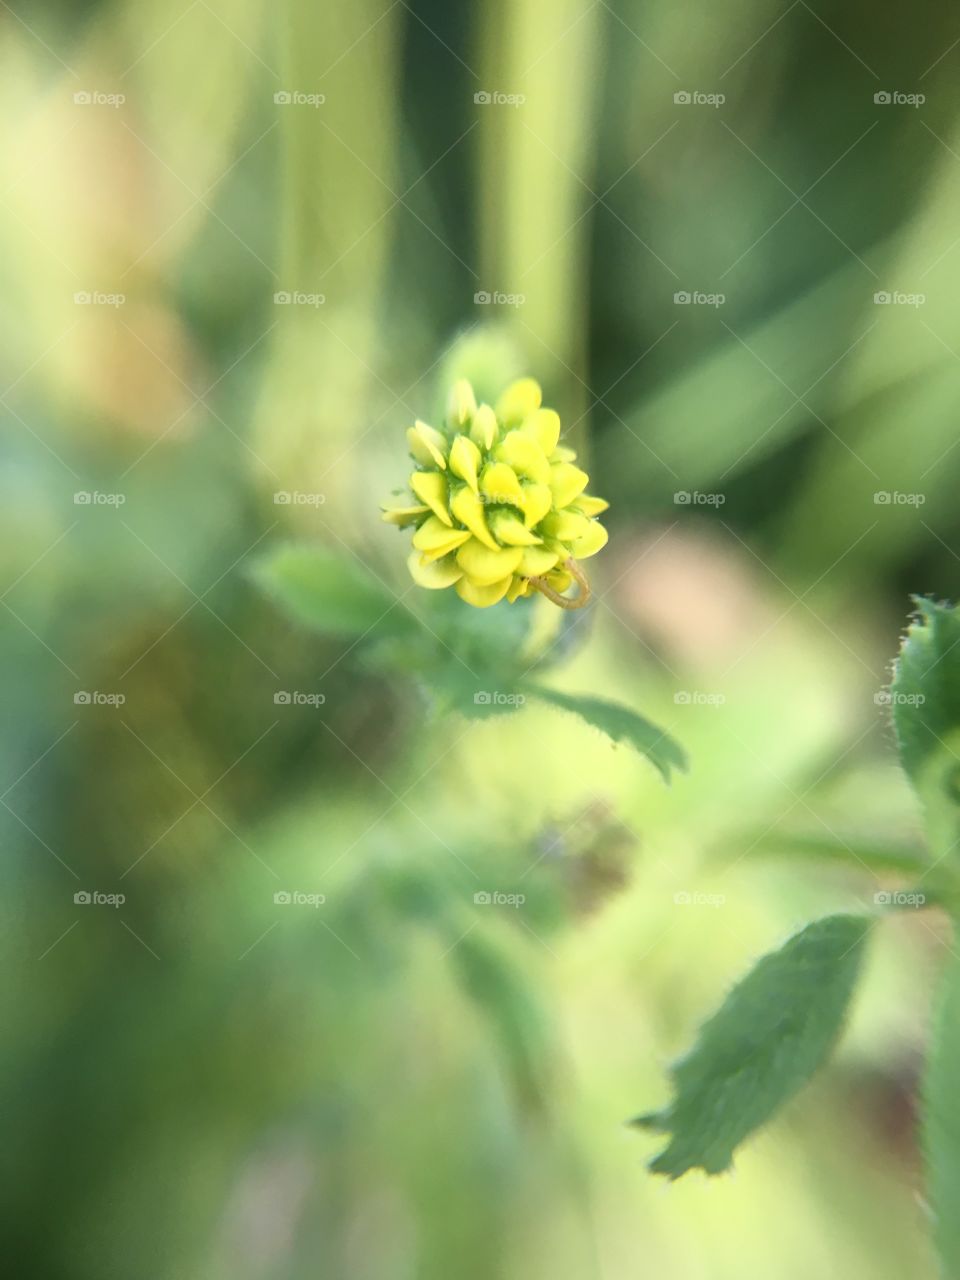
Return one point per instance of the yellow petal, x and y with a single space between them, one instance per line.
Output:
446 550
518 587
435 574
522 452
464 460
544 426
518 401
468 509
560 579
434 536
535 503
484 429
482 597
536 561
462 403
591 542
562 454
565 526
402 513
566 482
484 566
427 445
431 488
589 506
499 483
510 530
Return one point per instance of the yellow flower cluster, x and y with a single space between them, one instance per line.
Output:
498 503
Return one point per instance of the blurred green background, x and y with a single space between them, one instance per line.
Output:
244 246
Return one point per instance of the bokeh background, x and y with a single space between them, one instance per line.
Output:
244 245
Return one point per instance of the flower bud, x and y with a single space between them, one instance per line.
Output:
497 504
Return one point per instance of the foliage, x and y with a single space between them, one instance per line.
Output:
779 1023
472 663
773 1031
224 301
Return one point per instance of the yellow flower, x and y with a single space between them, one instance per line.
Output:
499 505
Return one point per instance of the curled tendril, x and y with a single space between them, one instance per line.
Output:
566 602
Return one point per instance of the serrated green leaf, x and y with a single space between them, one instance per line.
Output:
622 725
940 1122
328 591
926 685
925 699
767 1039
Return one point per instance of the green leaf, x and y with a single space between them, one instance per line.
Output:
925 697
770 1035
494 979
926 685
622 725
940 1121
329 592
